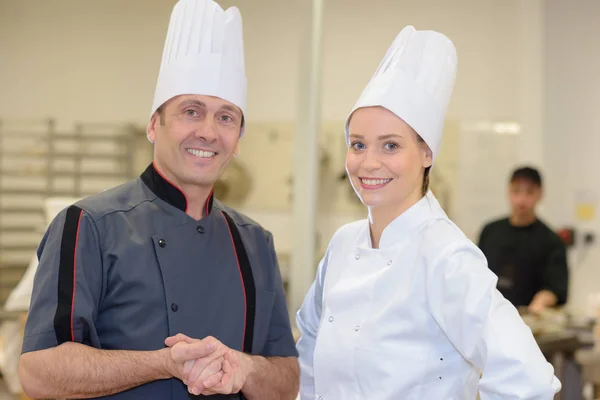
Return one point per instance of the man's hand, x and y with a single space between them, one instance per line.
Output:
221 371
235 373
194 360
541 301
536 308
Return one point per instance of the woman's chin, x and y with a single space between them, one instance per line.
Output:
369 201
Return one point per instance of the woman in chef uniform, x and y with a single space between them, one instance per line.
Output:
403 305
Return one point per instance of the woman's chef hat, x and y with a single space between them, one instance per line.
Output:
414 80
203 54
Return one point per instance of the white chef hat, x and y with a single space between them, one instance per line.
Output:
203 54
414 80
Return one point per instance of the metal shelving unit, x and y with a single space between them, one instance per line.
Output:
38 161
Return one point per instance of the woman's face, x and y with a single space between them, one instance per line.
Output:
385 159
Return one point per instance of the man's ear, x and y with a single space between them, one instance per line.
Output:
152 127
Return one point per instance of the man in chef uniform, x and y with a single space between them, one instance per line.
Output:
154 289
403 305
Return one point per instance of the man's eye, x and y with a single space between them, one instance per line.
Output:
191 113
227 118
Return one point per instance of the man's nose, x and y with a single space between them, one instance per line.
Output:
207 130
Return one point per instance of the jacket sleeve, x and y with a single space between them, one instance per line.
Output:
485 328
67 285
556 273
308 320
280 341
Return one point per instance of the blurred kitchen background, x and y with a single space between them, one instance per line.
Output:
77 79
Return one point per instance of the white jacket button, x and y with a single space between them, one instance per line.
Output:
357 256
389 262
357 328
330 319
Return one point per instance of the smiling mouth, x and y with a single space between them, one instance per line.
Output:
201 153
374 182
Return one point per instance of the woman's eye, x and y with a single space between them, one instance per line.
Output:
357 146
391 146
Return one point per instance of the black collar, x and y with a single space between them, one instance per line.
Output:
168 192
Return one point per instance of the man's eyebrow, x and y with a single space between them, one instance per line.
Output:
193 103
232 109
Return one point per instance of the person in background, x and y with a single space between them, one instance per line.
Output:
529 258
403 305
154 289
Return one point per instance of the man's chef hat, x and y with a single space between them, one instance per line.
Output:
203 54
414 80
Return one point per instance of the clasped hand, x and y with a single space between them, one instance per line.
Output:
206 366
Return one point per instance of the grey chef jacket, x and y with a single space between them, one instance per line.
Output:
126 268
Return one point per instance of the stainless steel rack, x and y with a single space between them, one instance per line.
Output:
38 161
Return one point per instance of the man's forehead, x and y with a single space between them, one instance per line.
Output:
211 102
524 182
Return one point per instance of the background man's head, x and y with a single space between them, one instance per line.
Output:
524 192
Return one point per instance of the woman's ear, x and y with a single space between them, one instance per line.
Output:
428 158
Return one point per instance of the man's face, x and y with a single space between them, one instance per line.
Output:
524 195
195 138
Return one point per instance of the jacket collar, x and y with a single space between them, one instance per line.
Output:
169 192
405 224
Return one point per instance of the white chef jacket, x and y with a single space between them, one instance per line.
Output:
419 318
